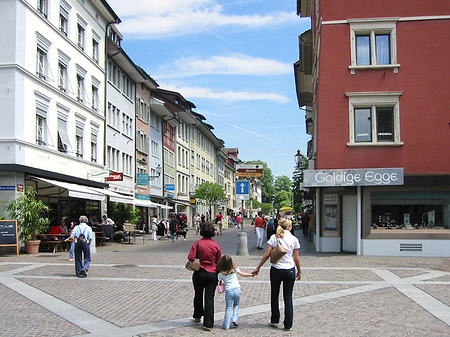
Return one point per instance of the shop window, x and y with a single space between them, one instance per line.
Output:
331 215
394 213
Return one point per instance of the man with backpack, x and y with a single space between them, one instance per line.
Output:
82 234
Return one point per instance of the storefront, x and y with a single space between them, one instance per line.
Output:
380 212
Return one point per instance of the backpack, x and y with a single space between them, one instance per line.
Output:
270 226
82 240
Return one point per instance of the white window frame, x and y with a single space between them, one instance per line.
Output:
95 47
64 14
94 147
42 7
373 100
42 106
63 137
373 27
42 48
79 133
81 32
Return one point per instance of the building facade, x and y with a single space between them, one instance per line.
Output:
372 78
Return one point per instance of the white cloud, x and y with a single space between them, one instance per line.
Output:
229 96
160 19
236 64
254 133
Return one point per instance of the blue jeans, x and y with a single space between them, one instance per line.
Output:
82 258
287 276
71 249
232 298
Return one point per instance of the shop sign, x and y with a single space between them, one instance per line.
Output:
7 188
169 187
142 197
142 179
354 177
115 176
20 188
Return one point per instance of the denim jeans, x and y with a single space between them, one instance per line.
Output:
232 298
287 276
72 249
204 282
82 258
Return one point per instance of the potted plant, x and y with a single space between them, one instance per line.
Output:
30 215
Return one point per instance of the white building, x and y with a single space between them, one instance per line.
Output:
52 89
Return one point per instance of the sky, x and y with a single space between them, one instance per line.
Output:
234 60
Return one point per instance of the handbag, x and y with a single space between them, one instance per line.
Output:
193 265
277 253
221 287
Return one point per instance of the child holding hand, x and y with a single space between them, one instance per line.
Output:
228 274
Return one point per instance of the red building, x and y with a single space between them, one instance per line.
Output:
374 79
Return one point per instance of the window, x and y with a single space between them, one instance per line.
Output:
95 46
63 138
95 97
42 105
42 7
142 142
79 140
80 37
81 32
373 45
43 45
374 118
155 149
93 147
63 63
127 125
80 88
64 9
112 159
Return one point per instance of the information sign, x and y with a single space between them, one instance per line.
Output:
242 187
8 234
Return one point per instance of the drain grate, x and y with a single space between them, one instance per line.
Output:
410 247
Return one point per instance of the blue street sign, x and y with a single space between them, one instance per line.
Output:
242 187
169 187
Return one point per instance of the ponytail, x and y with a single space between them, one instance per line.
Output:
283 224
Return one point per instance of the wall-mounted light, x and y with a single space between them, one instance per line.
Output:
158 170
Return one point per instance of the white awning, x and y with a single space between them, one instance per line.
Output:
73 190
115 197
148 203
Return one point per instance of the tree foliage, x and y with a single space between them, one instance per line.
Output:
210 194
283 183
121 212
282 199
30 215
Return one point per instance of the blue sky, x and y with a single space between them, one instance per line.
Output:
234 60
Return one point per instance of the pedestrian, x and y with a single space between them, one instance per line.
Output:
282 271
305 224
72 243
173 225
228 274
82 253
203 218
197 222
205 280
259 230
154 228
238 220
219 222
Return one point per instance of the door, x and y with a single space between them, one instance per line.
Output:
349 223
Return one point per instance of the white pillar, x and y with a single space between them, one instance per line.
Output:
358 220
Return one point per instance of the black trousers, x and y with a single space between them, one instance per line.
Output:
205 284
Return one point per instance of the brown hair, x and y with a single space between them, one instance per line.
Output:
226 265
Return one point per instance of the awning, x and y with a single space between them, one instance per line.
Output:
115 197
148 203
73 190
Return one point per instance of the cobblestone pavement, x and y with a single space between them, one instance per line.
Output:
143 289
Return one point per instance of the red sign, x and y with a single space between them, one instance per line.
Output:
249 172
115 176
19 187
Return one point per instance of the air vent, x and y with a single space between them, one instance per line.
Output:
410 247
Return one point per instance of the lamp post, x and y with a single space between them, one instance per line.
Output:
298 178
298 159
158 170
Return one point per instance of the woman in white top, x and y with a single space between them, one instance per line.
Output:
282 271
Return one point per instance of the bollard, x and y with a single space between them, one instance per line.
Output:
242 244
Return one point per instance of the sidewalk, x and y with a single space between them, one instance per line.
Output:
144 290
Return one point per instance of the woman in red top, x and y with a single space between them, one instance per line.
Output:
205 280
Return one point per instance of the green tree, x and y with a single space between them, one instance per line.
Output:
297 180
282 199
210 194
267 208
268 191
282 183
121 212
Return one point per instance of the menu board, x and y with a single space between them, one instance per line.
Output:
8 233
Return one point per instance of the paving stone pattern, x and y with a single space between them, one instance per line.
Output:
144 290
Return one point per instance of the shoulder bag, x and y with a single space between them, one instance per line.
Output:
194 265
277 252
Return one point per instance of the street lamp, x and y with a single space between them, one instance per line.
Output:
298 158
158 170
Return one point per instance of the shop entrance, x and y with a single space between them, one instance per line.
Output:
349 223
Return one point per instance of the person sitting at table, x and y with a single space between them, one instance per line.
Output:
93 222
64 226
107 227
119 232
